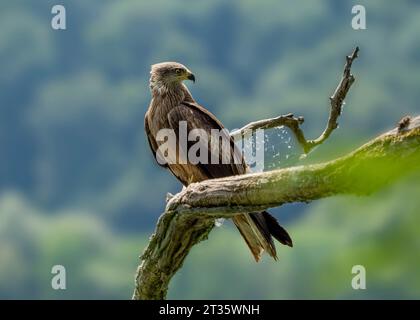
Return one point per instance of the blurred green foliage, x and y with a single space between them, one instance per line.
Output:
79 186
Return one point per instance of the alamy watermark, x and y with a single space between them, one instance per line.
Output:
359 20
199 146
359 280
58 21
58 281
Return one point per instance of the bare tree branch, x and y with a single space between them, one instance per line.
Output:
293 123
177 231
360 172
190 214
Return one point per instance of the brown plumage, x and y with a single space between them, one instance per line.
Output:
172 103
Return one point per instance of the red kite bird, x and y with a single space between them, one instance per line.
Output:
173 104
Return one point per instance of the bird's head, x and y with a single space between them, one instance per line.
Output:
169 74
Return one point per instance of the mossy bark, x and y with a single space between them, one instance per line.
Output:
190 214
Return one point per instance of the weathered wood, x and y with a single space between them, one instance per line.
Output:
168 247
361 172
293 123
190 214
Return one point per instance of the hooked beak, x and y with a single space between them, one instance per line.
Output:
191 77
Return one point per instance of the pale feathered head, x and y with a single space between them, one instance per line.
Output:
169 74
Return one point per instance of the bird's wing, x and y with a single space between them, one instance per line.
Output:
198 117
152 142
251 226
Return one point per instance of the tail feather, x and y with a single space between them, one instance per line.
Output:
267 243
276 230
257 230
247 232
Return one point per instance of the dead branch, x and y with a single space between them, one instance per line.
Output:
361 172
190 214
293 123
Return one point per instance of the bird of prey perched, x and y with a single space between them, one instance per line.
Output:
172 104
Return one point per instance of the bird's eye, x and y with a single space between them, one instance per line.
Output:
178 71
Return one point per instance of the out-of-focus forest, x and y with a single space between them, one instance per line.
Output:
80 188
